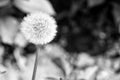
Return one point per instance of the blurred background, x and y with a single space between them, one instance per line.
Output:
87 45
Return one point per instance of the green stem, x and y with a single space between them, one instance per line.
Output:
35 66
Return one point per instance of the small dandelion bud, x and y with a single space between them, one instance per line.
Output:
39 28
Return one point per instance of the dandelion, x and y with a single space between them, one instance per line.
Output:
39 28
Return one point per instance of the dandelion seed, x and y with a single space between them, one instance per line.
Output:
39 28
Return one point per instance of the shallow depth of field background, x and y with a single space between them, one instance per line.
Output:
87 45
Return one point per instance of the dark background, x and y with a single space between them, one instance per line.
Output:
81 27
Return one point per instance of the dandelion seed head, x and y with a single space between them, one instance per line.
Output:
39 28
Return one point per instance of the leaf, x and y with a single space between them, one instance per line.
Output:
4 2
20 40
8 29
29 6
92 3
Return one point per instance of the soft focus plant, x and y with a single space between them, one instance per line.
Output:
4 3
31 6
8 29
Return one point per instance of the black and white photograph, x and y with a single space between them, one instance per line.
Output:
59 39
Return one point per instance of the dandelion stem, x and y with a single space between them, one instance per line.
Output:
35 66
